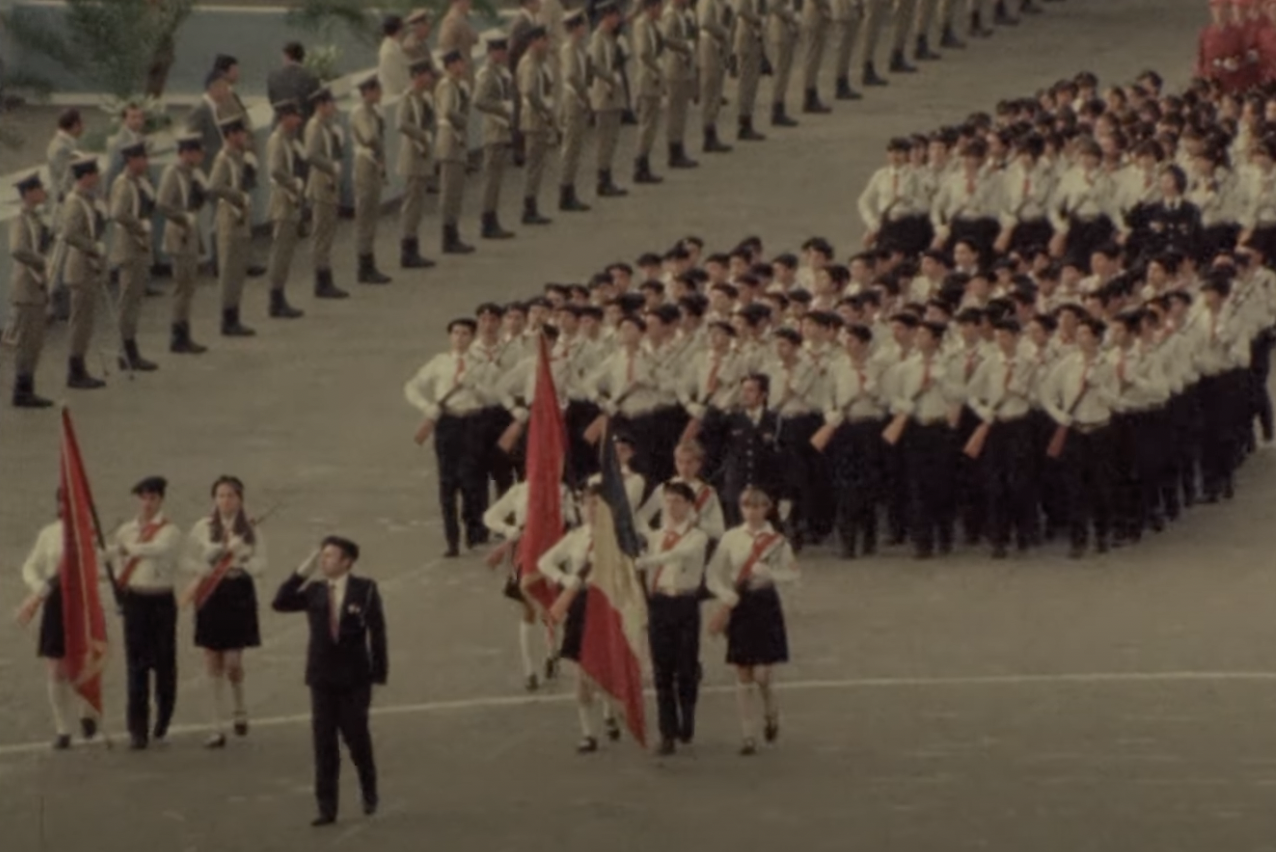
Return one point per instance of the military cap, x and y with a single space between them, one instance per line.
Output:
28 183
498 43
232 125
151 485
607 7
452 57
573 19
421 66
84 164
323 95
369 82
137 149
417 16
536 32
190 142
286 107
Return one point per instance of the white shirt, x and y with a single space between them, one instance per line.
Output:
707 507
635 485
924 392
777 563
1002 388
40 571
203 554
712 381
892 194
855 394
675 559
572 554
796 390
1080 392
448 384
1085 195
337 594
626 384
962 197
507 517
1141 380
157 560
1025 194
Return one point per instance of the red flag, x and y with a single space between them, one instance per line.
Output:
84 620
546 451
614 643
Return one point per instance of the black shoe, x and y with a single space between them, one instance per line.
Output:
771 731
568 202
368 272
78 377
844 92
871 77
812 104
1002 17
137 743
748 748
977 27
241 726
643 173
629 117
899 65
325 289
666 748
532 215
255 271
279 307
712 144
132 359
62 742
678 158
607 188
452 552
551 668
492 229
587 745
923 53
180 343
779 118
370 804
746 133
24 395
410 255
232 327
88 727
322 820
949 40
613 729
531 683
1076 551
452 241
216 741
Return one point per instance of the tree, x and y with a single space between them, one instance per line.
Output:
123 47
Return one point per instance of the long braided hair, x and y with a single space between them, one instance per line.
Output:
240 527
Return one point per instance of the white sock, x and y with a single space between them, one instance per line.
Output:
585 707
744 698
525 647
769 705
217 685
551 641
237 691
59 698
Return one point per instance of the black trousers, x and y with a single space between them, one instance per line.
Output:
1185 458
970 493
458 444
150 645
1260 399
498 466
344 712
1008 467
930 460
1048 476
806 478
583 458
673 628
1218 433
1086 236
1087 482
857 451
909 235
1031 235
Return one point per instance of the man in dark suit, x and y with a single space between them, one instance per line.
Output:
293 81
752 451
347 655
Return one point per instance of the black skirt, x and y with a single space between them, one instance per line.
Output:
228 619
52 626
574 626
755 632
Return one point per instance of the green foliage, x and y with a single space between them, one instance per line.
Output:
119 46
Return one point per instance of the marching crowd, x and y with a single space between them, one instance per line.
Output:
535 95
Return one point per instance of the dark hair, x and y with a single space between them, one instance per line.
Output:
240 527
69 118
295 51
345 545
681 489
762 380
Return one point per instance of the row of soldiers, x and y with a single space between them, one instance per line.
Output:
537 92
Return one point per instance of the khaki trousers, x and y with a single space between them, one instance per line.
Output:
608 127
451 191
875 14
232 261
537 150
494 157
414 191
750 74
905 18
572 144
324 225
28 324
367 204
783 46
814 39
84 299
847 34
282 248
680 92
648 123
184 266
712 80
133 275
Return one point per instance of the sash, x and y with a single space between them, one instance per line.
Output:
145 537
702 498
763 548
670 542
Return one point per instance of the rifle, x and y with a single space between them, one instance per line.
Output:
199 590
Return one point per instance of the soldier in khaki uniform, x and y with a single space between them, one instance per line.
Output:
712 53
607 94
286 163
875 15
905 19
83 229
182 190
416 44
536 119
494 97
651 86
679 73
132 204
416 127
782 33
452 98
847 15
926 12
367 127
748 59
323 187
231 183
817 16
573 108
29 242
457 33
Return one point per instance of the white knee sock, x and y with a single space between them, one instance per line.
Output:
217 696
525 647
769 705
59 701
585 706
744 698
237 692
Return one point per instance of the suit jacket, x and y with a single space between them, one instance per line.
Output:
292 82
452 102
358 656
60 153
494 97
1166 229
226 184
607 91
323 156
456 33
179 199
29 240
715 36
535 86
752 454
367 128
416 125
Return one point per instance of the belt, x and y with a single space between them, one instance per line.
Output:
461 415
1088 428
1014 419
931 421
660 593
151 593
867 418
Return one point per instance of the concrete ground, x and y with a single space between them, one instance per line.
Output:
1112 705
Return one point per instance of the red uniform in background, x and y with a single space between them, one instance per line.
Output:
1266 43
1221 56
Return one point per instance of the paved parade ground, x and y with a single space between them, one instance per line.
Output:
1117 704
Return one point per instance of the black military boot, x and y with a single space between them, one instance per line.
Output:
452 241
133 360
410 255
232 327
712 144
977 27
899 65
607 188
643 173
325 289
746 132
871 77
1002 17
531 213
923 53
279 307
811 103
77 376
24 395
779 118
180 341
368 272
949 39
844 92
678 158
567 200
492 229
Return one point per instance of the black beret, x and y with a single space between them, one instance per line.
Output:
151 485
29 183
